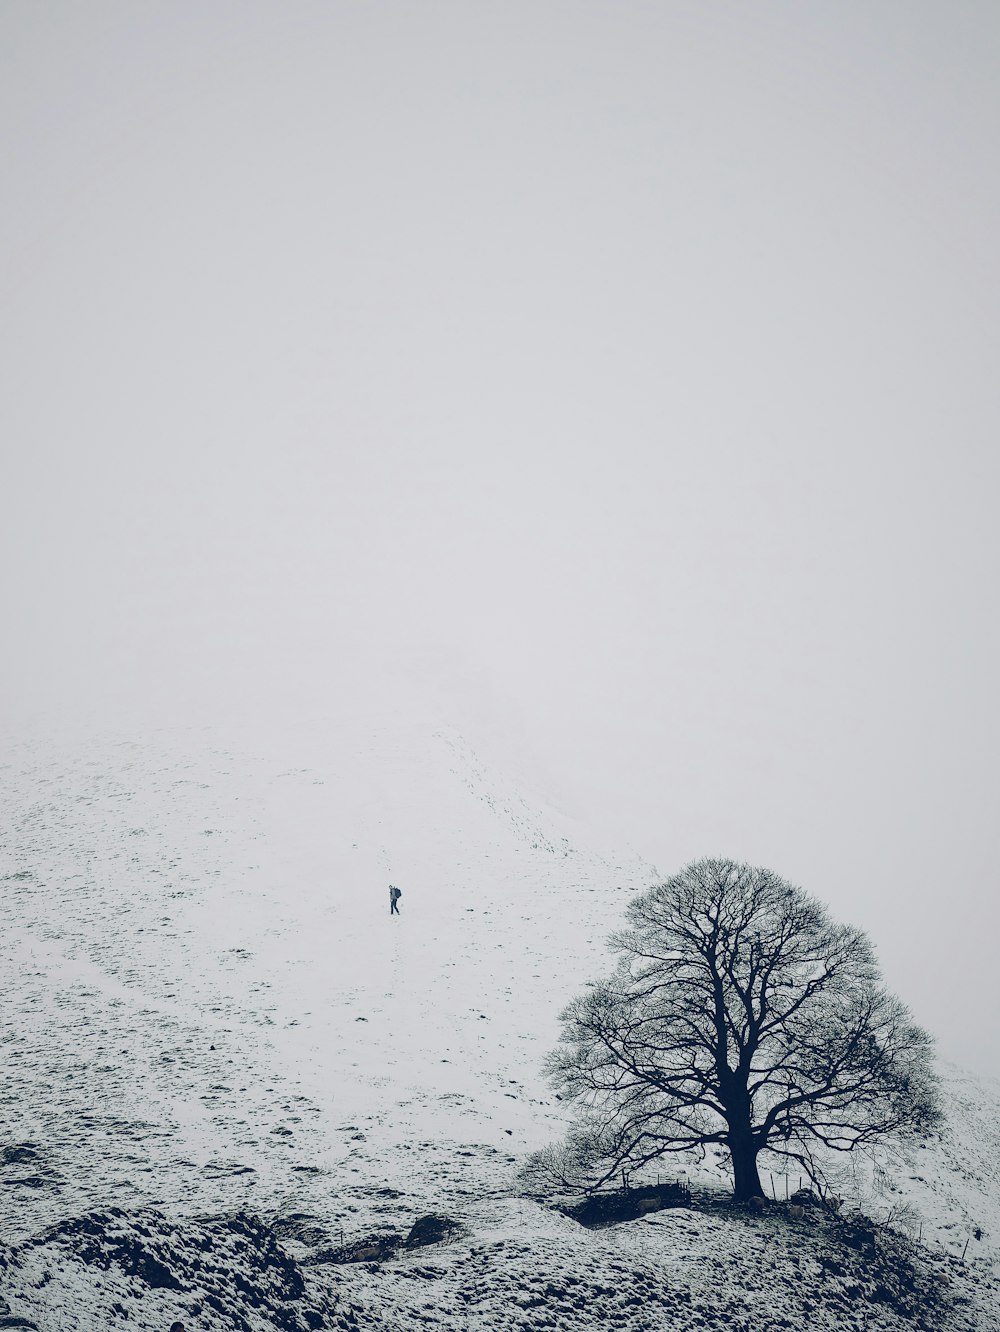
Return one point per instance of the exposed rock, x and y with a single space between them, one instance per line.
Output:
233 1264
19 1153
431 1229
608 1209
303 1228
368 1249
806 1198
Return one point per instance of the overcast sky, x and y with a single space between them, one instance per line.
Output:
627 368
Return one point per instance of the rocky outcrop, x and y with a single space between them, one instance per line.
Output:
231 1270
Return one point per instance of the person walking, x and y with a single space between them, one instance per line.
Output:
394 895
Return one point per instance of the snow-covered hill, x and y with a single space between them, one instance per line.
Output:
209 1011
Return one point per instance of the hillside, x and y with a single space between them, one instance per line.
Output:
209 1015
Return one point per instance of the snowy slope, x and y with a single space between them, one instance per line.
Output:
200 942
208 1009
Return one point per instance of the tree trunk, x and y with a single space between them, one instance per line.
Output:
746 1181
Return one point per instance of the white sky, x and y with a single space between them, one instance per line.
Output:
629 366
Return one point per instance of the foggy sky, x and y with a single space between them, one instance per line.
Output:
625 371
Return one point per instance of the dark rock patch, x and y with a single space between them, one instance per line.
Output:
806 1198
367 1249
608 1209
233 1265
302 1227
18 1153
216 1168
431 1229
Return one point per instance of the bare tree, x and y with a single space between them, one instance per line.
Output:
739 1015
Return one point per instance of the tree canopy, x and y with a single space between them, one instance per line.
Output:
739 1014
